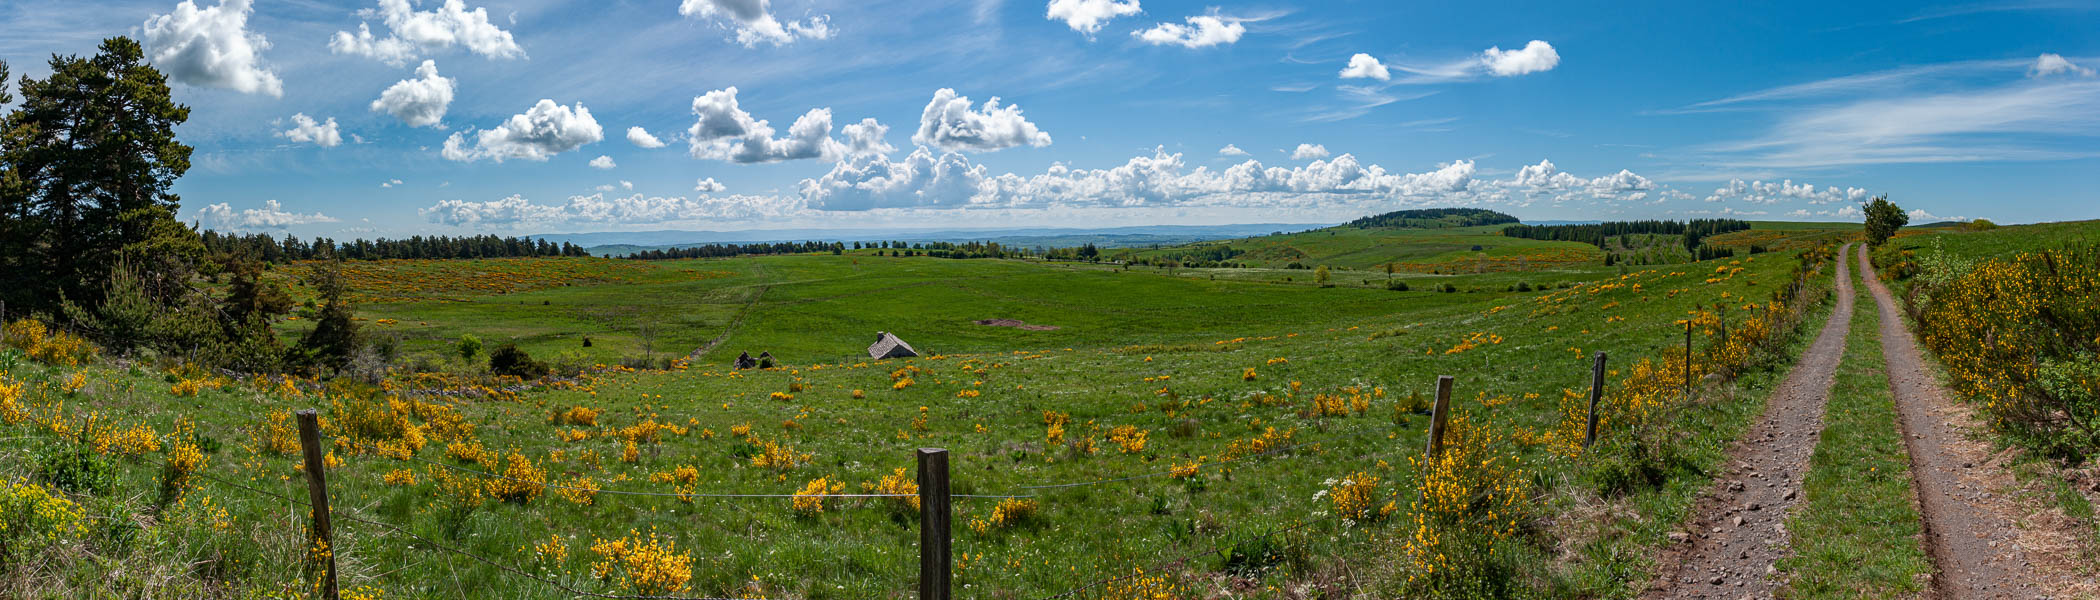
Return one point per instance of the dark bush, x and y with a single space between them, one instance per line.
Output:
509 360
1396 285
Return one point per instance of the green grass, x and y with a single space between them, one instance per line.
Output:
1118 330
1858 534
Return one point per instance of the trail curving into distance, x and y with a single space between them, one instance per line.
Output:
1737 531
1969 537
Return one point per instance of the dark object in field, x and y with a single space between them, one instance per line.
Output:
1015 323
765 360
586 341
509 360
888 346
744 361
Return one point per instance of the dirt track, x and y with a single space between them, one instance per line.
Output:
1968 531
1738 529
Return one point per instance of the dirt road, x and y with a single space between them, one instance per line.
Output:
1738 529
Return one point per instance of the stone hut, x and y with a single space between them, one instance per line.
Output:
889 346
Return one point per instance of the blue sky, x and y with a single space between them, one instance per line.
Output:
323 118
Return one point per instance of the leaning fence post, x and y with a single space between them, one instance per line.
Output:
317 494
1437 414
1589 435
935 512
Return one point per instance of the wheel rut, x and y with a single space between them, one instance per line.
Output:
1737 532
1971 532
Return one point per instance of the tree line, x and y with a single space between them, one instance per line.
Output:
1433 218
1694 231
270 249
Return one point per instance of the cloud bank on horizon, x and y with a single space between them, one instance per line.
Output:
1092 110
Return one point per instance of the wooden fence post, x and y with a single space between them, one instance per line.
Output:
1687 356
1589 435
1437 415
935 513
317 494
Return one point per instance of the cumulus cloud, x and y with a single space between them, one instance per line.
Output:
1921 216
867 137
212 47
543 131
1306 151
754 22
1534 57
950 124
1549 181
1231 150
1087 16
1365 66
411 30
725 132
2051 64
641 138
871 181
305 129
271 216
1201 31
1759 192
390 183
419 102
708 185
517 211
603 162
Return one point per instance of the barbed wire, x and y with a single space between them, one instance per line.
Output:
691 495
1334 439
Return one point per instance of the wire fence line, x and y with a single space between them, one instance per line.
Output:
691 495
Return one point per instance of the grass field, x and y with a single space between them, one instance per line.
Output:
1152 371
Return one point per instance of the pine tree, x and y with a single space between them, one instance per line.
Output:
334 337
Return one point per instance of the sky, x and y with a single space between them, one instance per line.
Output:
369 118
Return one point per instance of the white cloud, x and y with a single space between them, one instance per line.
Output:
211 47
543 131
725 132
708 185
869 181
271 216
1759 192
390 183
516 211
950 124
1534 57
626 185
412 30
602 162
1987 124
754 21
2051 64
866 137
1306 151
419 102
1547 180
305 129
1086 16
641 138
1919 216
1201 31
1231 150
1365 66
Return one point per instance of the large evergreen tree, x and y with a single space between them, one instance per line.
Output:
86 162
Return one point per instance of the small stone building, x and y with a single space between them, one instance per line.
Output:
889 346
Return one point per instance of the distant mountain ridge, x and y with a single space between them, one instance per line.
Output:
613 243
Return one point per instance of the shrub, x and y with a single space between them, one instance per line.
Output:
76 470
470 346
508 359
1448 288
2019 335
1396 285
35 519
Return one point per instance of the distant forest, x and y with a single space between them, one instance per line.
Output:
263 247
1694 232
933 249
1433 218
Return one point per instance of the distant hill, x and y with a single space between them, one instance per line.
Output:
1433 218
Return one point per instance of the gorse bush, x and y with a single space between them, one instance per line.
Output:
507 359
2022 336
51 347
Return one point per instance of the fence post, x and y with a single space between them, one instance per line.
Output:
1687 357
935 513
317 494
1437 414
1589 435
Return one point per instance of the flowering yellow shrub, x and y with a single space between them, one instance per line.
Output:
1471 500
1054 428
576 415
131 441
458 491
1269 440
401 477
186 388
1129 438
1008 513
1186 470
472 452
2022 337
279 435
580 490
75 382
775 456
809 501
682 474
32 517
897 483
551 553
183 459
1248 375
522 481
56 348
645 566
1356 497
1141 586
